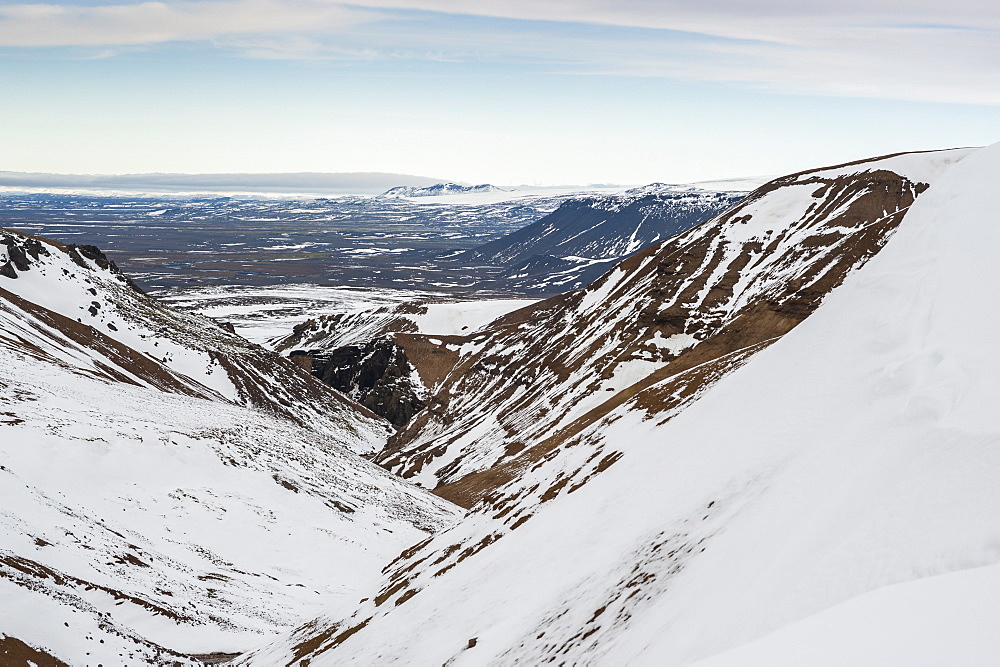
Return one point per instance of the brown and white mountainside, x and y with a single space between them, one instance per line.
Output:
653 331
172 492
578 242
832 501
71 305
565 427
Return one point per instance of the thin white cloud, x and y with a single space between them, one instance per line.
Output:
779 21
40 25
928 50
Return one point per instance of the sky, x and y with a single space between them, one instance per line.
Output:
537 92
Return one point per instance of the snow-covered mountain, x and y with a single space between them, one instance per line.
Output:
439 189
169 489
745 473
577 243
695 303
70 305
770 439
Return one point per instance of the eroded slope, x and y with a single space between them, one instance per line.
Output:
537 377
59 300
858 451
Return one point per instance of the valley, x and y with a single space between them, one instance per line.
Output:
668 425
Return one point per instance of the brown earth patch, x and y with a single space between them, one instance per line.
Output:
15 653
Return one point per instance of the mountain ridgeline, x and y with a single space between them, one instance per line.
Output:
622 508
172 492
582 239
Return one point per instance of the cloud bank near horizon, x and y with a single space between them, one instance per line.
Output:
312 182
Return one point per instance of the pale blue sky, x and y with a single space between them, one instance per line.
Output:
507 91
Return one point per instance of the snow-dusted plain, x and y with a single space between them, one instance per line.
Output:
845 472
268 313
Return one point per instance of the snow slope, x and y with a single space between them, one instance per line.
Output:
938 620
857 452
688 308
169 489
156 519
55 298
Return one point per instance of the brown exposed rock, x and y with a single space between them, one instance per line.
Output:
15 653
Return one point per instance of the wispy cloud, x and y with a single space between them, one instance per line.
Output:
927 50
39 25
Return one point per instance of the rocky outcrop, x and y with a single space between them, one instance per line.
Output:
376 374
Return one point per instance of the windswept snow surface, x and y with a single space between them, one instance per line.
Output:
859 451
464 317
146 517
949 619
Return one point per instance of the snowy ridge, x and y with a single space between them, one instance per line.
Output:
856 452
51 292
428 316
585 236
535 378
171 490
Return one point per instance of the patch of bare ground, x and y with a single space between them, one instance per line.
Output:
15 653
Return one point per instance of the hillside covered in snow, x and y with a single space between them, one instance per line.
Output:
170 489
810 467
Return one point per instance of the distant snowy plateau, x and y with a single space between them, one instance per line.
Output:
740 429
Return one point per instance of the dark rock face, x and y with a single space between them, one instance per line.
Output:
18 253
377 375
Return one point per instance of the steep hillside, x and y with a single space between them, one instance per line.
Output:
583 238
677 313
171 490
60 301
148 524
857 452
356 351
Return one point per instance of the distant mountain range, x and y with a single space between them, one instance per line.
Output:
313 182
439 189
582 239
